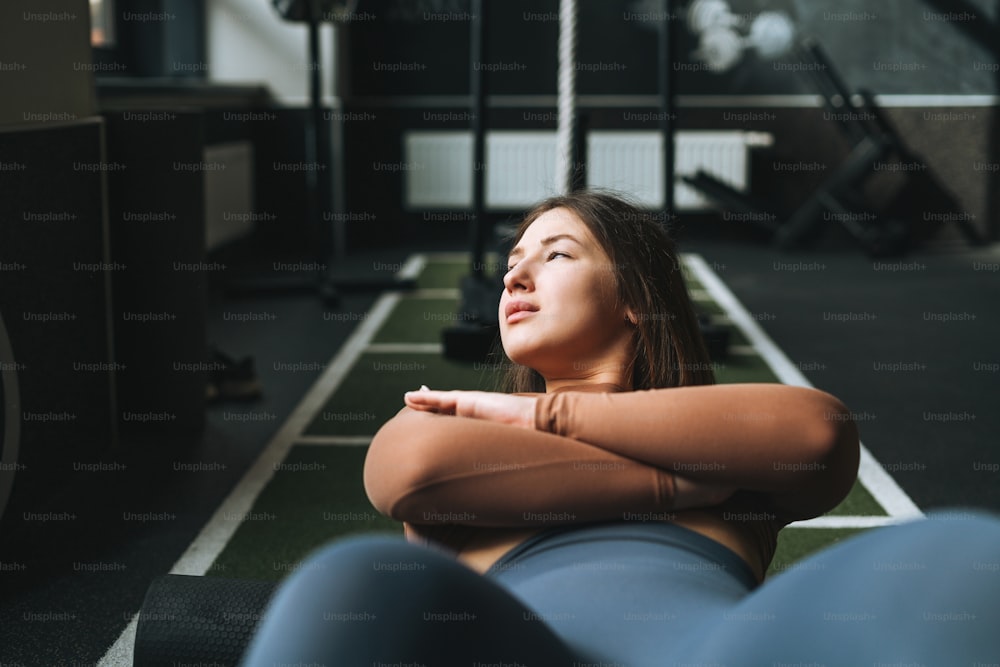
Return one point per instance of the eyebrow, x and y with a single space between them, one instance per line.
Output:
548 240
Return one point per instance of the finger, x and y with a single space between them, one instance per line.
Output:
431 401
416 402
421 408
423 397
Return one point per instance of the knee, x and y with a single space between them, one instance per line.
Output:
966 525
944 543
964 534
369 568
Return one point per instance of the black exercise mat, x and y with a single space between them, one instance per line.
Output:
198 620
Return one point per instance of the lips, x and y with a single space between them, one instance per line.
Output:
518 310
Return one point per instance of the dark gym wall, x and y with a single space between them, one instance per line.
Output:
54 295
890 47
405 66
47 73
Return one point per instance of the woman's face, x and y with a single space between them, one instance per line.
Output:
559 310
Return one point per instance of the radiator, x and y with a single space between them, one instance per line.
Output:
520 166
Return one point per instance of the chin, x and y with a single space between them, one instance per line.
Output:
539 360
516 355
520 353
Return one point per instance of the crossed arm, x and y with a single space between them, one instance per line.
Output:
486 459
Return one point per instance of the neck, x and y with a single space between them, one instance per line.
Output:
621 378
600 387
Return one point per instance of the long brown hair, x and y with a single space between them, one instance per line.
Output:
670 350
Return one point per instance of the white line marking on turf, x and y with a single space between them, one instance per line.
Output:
879 483
884 488
412 268
216 534
120 653
338 440
833 521
213 538
407 348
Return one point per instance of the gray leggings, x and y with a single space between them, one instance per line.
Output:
637 594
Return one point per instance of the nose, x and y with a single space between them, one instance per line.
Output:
518 278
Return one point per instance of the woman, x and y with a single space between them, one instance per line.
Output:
615 507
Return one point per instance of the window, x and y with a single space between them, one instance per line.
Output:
102 25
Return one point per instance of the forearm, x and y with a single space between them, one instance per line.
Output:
770 438
427 468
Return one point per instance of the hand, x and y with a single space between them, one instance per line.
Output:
491 406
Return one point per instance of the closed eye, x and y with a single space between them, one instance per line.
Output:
551 255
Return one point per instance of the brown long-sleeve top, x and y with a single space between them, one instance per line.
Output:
478 488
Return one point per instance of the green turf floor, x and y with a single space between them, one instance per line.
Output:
316 494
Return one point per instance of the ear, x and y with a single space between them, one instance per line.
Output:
630 316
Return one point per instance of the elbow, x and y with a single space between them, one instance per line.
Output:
394 468
389 483
381 485
830 451
834 444
379 478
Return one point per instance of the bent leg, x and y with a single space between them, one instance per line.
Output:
371 600
919 593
